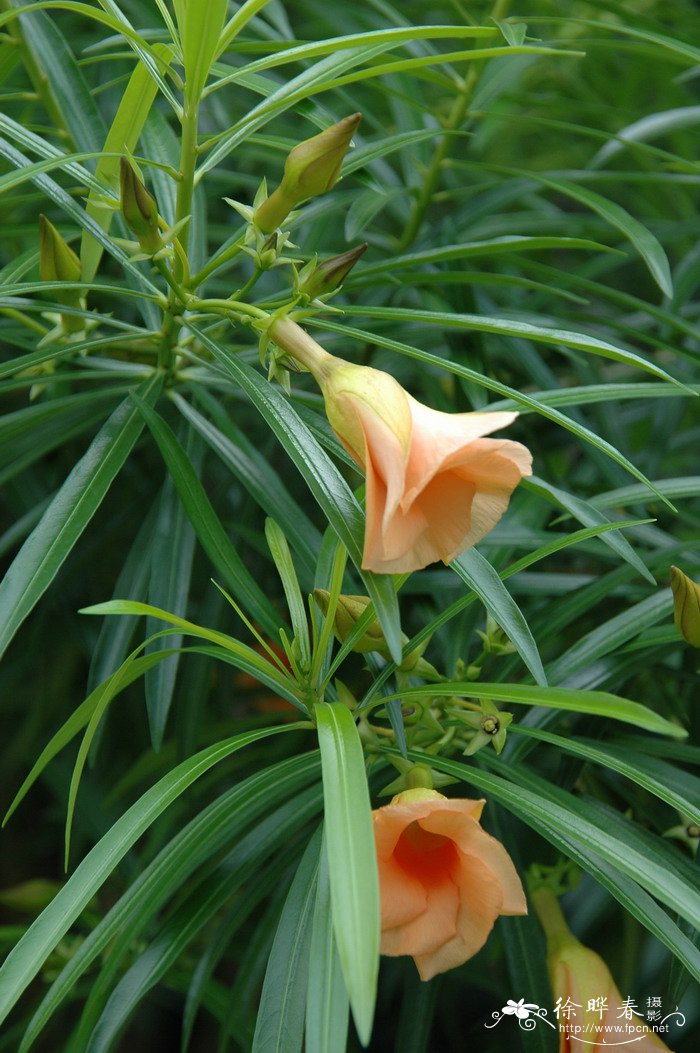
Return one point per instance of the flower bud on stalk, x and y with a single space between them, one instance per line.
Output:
328 276
348 612
58 262
581 980
686 606
311 168
139 208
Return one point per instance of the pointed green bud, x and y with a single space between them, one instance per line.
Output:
58 263
139 208
686 606
330 275
311 168
347 613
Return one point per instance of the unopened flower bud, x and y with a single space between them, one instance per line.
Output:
331 274
686 606
139 208
58 262
347 613
581 980
311 168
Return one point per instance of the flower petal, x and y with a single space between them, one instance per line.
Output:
474 843
432 929
438 437
403 898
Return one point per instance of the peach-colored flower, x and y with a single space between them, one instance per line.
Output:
585 992
443 880
435 485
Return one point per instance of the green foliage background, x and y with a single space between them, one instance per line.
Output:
530 198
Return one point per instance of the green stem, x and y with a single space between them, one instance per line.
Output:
216 262
250 283
432 177
454 121
227 307
35 72
188 163
550 915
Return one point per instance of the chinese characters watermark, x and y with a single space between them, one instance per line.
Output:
600 1022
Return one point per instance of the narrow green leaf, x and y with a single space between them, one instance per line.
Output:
240 654
327 1007
480 576
600 703
643 240
590 517
253 469
28 956
280 1022
172 551
646 772
200 27
67 85
509 327
352 860
77 721
207 525
323 479
122 137
50 543
612 633
279 549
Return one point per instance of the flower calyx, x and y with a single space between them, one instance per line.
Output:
489 726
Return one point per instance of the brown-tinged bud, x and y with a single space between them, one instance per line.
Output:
311 168
139 208
686 606
331 274
58 263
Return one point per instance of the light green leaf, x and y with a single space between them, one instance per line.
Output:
122 138
207 525
327 1007
598 702
352 860
280 1021
28 956
652 775
480 576
50 543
